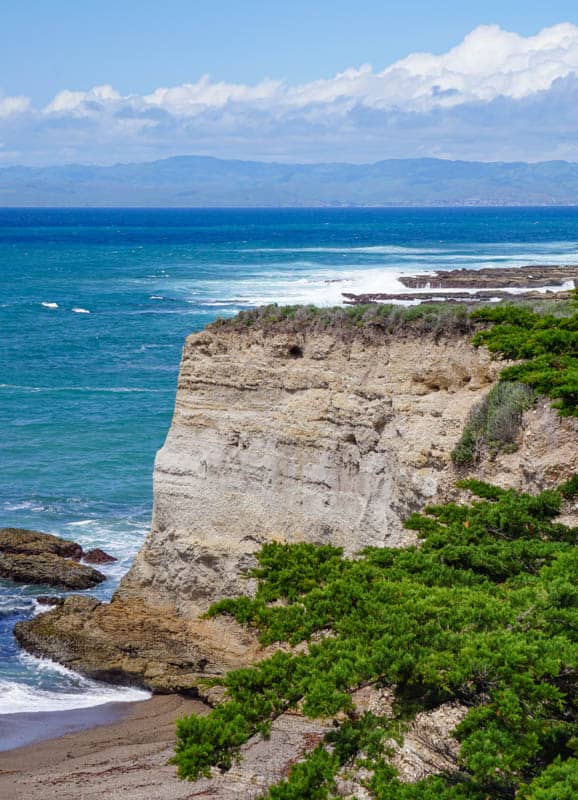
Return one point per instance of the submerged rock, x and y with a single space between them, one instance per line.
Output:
49 570
98 556
41 558
20 540
49 600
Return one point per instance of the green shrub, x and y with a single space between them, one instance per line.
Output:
368 319
547 344
558 782
493 423
485 611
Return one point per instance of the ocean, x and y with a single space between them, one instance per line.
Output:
94 309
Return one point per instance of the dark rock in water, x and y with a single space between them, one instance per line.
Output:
20 540
479 285
535 276
34 557
98 556
49 600
48 569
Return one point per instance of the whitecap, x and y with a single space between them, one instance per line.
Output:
17 698
49 305
81 311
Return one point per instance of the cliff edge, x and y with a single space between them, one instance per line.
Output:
285 436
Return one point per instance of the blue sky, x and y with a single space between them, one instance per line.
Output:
293 81
137 46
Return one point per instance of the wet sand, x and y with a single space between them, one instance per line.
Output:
20 730
126 758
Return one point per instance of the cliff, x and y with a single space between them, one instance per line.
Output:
297 437
285 435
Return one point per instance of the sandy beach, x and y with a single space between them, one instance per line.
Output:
123 759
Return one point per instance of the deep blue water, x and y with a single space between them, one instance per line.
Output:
94 308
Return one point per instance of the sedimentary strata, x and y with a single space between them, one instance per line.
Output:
40 558
289 435
274 437
284 436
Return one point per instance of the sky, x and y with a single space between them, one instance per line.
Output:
101 82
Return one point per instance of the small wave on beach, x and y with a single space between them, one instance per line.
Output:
56 688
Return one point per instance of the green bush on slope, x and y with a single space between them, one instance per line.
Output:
484 611
548 345
493 423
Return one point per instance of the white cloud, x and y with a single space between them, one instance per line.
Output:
463 103
79 102
489 63
13 105
190 97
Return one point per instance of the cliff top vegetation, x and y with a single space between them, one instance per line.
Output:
377 319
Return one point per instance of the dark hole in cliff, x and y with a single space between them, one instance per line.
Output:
295 351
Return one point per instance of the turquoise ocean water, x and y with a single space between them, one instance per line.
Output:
94 308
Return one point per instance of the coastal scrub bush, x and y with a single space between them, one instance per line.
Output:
484 612
546 344
370 319
493 423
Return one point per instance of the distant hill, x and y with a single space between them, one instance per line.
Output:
197 181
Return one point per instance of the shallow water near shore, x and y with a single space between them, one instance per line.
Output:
94 309
20 730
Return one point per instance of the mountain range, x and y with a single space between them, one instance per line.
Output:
200 181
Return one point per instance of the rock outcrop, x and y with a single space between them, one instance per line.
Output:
40 558
295 438
97 556
127 642
483 285
20 540
285 436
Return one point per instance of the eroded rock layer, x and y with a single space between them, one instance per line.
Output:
286 436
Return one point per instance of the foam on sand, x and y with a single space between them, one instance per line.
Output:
74 691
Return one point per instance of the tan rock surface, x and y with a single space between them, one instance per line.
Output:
286 437
336 445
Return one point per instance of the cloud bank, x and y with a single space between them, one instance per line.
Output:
495 96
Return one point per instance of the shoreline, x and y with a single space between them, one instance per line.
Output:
125 756
26 728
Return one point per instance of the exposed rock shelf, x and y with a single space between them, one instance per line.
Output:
493 277
40 558
485 285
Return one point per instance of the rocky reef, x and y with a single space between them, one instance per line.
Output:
40 558
484 285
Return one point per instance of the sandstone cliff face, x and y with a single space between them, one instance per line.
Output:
295 438
289 437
